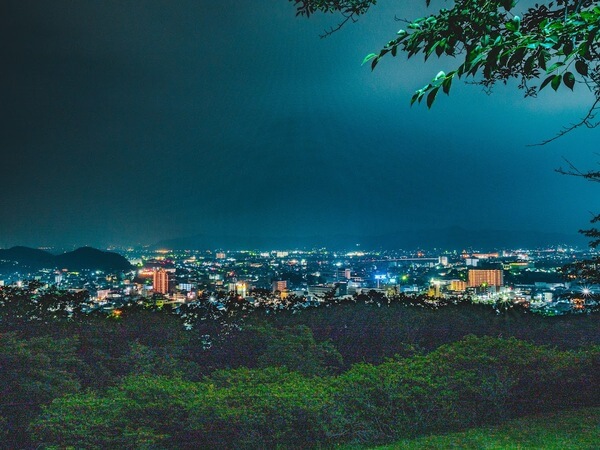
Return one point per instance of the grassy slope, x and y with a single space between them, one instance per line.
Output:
578 429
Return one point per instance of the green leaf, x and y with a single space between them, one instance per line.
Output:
507 4
368 58
491 62
528 67
542 60
569 80
440 74
439 50
517 56
588 16
415 97
568 48
583 51
431 96
503 60
581 67
555 66
555 82
546 81
431 49
446 85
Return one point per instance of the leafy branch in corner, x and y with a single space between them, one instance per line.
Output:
550 44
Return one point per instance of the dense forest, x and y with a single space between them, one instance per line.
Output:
362 371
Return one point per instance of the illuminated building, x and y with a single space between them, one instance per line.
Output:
279 285
435 289
485 255
344 274
319 290
486 277
160 281
241 288
473 262
102 294
458 285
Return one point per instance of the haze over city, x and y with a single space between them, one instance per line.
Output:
129 123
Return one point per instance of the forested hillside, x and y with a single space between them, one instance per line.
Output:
352 372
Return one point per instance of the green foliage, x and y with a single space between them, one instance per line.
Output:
557 40
496 45
142 412
143 359
37 369
143 341
474 381
32 372
575 430
263 345
145 384
262 409
296 349
20 307
240 408
366 332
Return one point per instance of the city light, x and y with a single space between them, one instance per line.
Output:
586 291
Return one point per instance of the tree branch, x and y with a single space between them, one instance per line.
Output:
332 30
586 121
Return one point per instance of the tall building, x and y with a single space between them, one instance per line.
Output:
486 277
279 285
160 281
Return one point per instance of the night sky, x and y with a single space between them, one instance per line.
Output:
127 122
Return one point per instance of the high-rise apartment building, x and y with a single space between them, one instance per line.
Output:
160 281
486 277
279 285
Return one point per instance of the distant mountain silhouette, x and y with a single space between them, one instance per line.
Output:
82 258
30 257
446 238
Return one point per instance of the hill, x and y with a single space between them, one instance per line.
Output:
29 257
80 259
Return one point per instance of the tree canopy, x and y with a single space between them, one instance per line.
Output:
549 44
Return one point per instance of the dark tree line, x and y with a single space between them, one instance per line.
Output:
58 369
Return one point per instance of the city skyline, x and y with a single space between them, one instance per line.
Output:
133 123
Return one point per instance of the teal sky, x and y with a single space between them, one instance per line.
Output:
127 122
